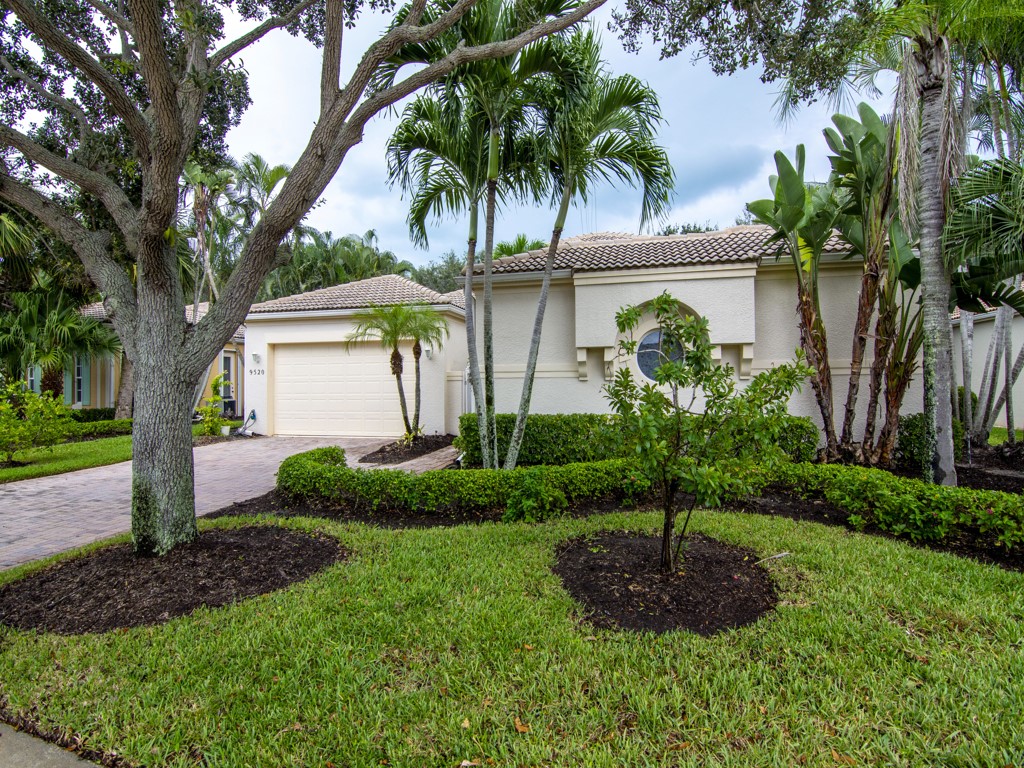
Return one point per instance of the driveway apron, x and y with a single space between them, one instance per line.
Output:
47 515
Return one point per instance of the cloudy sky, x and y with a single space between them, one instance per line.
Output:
720 134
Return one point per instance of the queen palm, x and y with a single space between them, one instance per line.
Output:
393 325
602 131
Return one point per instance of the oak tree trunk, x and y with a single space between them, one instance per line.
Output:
163 479
125 389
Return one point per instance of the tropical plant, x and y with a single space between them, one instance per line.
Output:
394 325
598 129
44 328
497 90
519 244
679 448
212 412
803 217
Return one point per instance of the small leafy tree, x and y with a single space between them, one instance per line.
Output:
28 420
683 449
212 412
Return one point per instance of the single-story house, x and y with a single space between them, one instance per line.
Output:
729 277
92 381
303 378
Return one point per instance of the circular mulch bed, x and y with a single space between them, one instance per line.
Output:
396 453
112 588
617 578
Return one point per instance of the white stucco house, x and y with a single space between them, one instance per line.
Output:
303 379
729 277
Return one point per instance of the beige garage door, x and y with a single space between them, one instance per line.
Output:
326 389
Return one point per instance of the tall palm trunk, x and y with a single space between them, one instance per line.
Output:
417 353
471 341
493 168
935 279
885 339
815 346
396 371
516 441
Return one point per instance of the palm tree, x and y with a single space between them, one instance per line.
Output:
497 89
987 221
923 35
601 131
392 325
519 244
44 328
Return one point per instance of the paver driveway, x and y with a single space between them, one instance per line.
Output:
48 515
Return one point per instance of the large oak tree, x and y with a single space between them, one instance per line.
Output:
128 92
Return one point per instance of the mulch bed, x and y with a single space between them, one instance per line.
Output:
112 588
616 577
396 453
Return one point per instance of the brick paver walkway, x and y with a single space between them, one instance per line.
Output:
48 515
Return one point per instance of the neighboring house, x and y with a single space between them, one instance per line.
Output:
92 382
984 326
747 295
302 378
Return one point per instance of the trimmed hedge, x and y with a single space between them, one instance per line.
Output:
93 414
550 438
906 507
570 438
910 446
322 473
90 430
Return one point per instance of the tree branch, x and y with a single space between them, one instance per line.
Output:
156 72
84 129
59 43
241 43
92 248
113 16
330 71
109 193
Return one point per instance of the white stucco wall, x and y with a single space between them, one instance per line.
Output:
984 325
264 332
751 313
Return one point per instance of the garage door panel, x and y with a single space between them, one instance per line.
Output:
326 389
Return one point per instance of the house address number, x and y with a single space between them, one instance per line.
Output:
257 371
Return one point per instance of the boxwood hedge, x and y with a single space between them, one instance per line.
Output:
322 473
904 506
568 438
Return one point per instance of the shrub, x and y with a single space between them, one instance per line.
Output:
558 438
798 438
537 492
571 438
93 414
910 447
28 420
906 507
91 430
212 413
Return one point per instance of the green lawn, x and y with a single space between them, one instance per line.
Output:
424 648
69 457
998 435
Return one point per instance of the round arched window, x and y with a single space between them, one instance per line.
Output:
651 354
